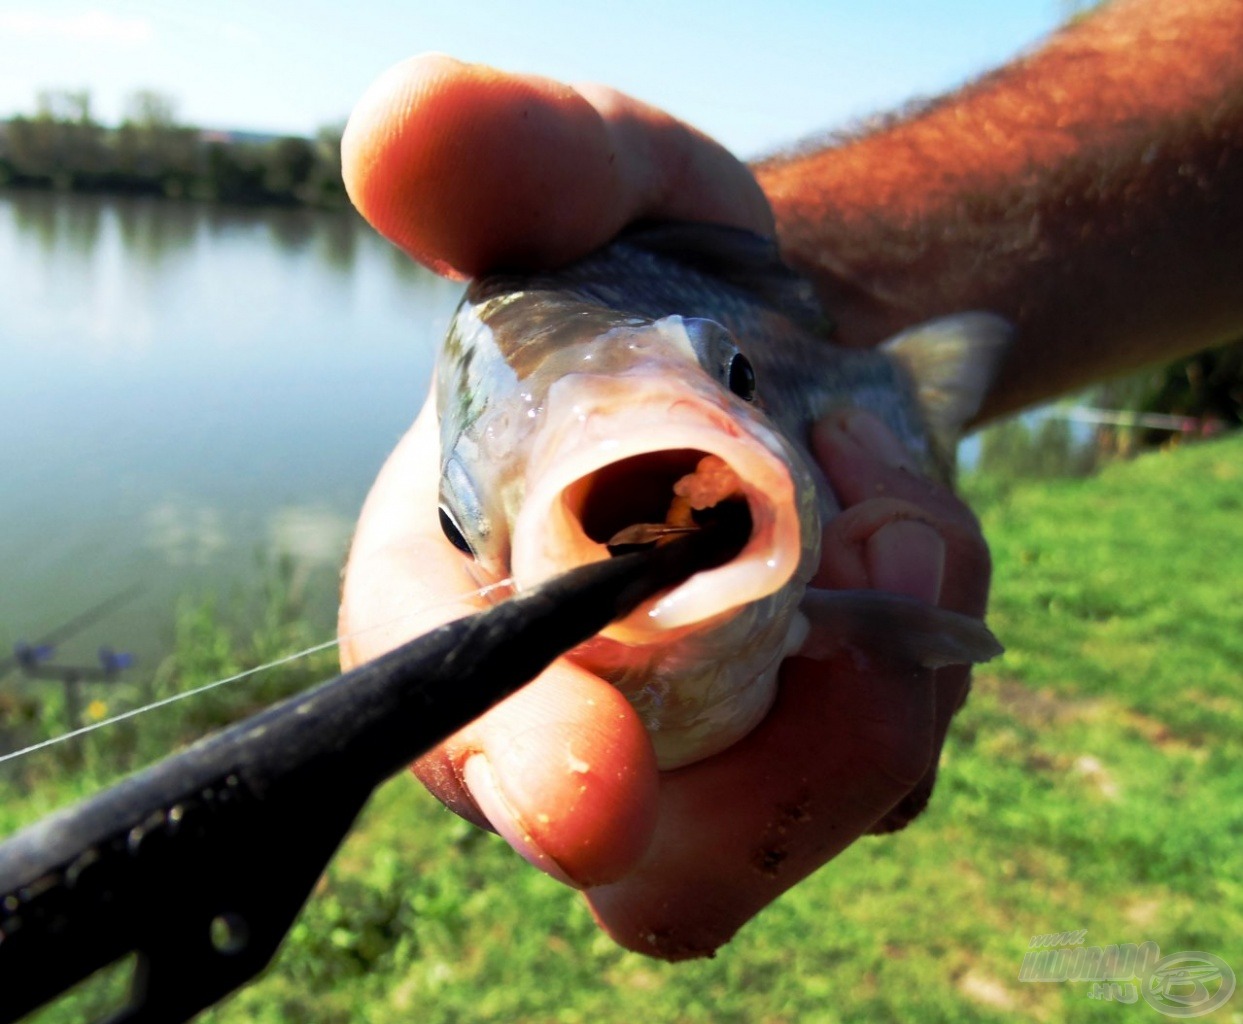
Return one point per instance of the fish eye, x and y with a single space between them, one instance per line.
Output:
742 377
453 532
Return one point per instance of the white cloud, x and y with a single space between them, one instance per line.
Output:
92 25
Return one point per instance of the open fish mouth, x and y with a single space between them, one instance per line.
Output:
625 461
647 498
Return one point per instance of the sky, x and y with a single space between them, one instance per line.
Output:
754 75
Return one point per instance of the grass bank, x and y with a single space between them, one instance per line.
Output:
1092 782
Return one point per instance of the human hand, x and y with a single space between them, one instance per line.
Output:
468 169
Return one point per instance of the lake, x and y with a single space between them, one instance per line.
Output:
191 392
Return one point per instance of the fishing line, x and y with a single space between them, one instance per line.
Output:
484 591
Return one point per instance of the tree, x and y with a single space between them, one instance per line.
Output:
1205 388
150 109
1014 450
67 106
61 145
290 162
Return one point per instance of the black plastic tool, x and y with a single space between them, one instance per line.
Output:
200 864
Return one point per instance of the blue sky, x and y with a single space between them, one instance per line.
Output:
754 75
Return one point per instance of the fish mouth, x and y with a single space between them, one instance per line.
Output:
635 502
605 472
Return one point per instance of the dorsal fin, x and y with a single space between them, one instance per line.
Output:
952 362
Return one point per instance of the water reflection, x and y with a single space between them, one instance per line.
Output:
150 230
58 227
312 535
337 241
184 534
189 386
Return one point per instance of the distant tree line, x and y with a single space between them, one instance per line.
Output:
1019 449
1206 387
150 153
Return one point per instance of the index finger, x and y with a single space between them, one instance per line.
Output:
469 169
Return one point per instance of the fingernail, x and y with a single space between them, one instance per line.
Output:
486 790
907 557
870 434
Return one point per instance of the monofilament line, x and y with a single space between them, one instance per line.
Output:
164 702
133 712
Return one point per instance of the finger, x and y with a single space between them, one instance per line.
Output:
952 685
883 544
563 769
863 460
469 169
894 545
929 549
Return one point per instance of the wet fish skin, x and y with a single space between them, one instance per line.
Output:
670 307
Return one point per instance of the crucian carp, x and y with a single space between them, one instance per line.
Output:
668 381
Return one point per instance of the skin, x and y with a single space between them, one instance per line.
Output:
1090 195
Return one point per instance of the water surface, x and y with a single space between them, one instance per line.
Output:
189 391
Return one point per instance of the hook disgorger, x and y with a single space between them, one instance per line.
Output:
200 864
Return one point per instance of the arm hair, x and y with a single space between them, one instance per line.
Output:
1091 191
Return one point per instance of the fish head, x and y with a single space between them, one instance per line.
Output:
630 423
653 410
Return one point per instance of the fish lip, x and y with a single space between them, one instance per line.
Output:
591 422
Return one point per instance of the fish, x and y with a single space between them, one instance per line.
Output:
665 382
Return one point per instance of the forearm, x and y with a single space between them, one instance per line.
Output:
1092 192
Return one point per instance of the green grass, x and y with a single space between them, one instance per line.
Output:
1092 782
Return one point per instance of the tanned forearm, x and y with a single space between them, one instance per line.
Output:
1092 192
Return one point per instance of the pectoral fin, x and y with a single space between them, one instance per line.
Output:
952 363
892 626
